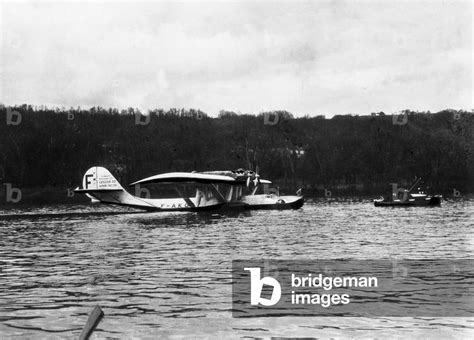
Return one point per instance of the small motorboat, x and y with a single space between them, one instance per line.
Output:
414 200
404 198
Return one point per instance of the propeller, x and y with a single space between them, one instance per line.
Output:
257 176
250 176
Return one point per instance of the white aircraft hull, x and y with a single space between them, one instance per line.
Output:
124 198
272 202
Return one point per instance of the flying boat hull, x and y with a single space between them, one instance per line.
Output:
272 202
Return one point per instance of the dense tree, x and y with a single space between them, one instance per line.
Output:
54 147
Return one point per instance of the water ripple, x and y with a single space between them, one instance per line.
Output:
168 274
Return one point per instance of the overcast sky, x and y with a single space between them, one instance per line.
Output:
305 57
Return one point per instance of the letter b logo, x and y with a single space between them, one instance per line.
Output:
270 118
400 119
141 119
13 117
256 285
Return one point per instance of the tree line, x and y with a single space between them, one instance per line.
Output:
46 147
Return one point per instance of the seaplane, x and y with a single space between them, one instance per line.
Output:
196 191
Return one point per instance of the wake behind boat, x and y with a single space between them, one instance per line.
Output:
212 190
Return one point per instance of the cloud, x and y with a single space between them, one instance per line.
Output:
305 57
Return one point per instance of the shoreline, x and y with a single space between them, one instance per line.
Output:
60 195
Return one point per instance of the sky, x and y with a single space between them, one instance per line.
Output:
306 57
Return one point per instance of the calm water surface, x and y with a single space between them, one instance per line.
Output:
167 275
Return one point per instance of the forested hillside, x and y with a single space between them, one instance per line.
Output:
41 147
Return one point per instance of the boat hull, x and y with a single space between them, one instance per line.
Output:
423 202
272 202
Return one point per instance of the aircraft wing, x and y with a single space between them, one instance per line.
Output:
172 177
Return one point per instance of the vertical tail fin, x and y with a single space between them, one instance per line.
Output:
99 178
101 186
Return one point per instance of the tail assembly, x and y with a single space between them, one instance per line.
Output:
99 179
100 185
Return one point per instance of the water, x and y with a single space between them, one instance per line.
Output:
167 275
